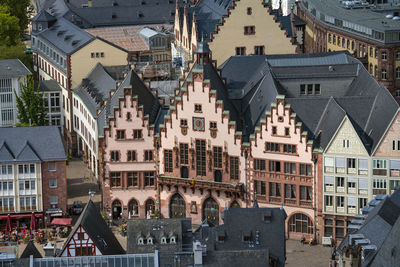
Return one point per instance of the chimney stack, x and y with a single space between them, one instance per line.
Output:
90 3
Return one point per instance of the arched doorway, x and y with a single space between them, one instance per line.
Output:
150 207
211 211
184 172
235 204
177 207
133 208
300 223
217 176
116 209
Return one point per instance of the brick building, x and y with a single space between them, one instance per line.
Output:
33 172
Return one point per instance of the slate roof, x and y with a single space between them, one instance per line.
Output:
377 226
98 231
237 223
13 68
64 35
30 144
347 89
29 250
49 86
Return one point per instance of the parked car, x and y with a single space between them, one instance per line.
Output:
77 207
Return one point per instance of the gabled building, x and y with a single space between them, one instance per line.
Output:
13 73
64 52
91 236
236 28
34 179
90 102
128 153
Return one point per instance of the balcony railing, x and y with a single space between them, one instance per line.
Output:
340 189
340 209
351 210
340 170
363 172
363 191
395 173
379 191
351 190
329 208
329 169
282 176
329 188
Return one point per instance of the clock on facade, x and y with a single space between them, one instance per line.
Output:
198 124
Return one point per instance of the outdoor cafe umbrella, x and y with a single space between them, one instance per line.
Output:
8 224
33 222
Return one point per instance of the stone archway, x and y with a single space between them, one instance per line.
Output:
177 207
210 211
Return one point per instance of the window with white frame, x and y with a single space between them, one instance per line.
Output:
27 203
340 162
362 165
27 187
351 182
340 202
6 171
53 182
329 164
6 188
339 181
362 184
329 180
379 164
362 202
379 186
7 204
26 170
329 201
52 166
346 143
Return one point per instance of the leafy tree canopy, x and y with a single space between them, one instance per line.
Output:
30 104
20 9
16 51
9 27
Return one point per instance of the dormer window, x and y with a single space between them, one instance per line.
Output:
40 27
163 240
172 240
140 241
246 238
150 240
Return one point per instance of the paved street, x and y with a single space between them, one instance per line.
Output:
304 255
80 181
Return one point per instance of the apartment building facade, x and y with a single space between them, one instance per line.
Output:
33 178
13 73
331 27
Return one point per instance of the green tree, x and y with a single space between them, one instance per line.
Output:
20 9
30 104
9 27
16 51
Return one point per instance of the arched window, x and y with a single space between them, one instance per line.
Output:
150 207
235 204
211 211
177 207
133 208
300 223
116 209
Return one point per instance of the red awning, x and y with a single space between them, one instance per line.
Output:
62 221
21 216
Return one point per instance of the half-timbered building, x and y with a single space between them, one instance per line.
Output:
91 236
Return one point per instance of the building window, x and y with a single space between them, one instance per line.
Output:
305 192
114 155
289 149
398 55
328 229
352 45
384 55
274 147
376 71
92 55
397 93
97 54
234 167
149 178
217 157
309 89
275 189
398 73
259 164
334 39
287 131
302 89
290 167
274 166
198 108
168 161
339 229
383 74
101 54
184 123
128 116
340 202
249 11
260 188
317 89
53 182
131 155
148 155
184 153
290 191
52 166
53 201
379 186
259 50
132 179
115 179
249 30
339 181
137 134
200 157
213 125
329 201
300 223
305 169
120 134
240 51
274 130
329 38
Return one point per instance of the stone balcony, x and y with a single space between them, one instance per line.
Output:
264 175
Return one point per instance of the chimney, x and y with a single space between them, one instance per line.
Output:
117 84
280 8
90 3
294 30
